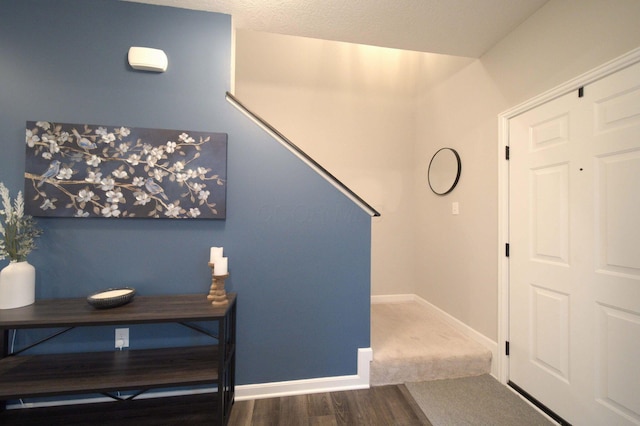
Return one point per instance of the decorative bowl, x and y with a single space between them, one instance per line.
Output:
111 298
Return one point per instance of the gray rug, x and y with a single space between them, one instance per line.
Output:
479 400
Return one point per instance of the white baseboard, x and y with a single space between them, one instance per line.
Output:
449 319
307 386
393 298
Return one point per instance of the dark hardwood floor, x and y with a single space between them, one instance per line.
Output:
382 405
378 406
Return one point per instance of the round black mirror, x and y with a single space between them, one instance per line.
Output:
444 171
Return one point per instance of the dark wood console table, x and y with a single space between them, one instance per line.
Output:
44 375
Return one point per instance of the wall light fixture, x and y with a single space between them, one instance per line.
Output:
148 59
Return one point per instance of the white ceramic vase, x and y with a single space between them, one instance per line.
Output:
17 285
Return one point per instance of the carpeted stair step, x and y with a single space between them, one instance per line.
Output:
410 344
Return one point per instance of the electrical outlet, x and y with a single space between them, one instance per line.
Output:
455 208
122 338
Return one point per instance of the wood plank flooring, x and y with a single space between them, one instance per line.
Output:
390 405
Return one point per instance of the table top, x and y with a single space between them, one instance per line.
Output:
142 309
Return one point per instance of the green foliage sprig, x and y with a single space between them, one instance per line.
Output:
18 231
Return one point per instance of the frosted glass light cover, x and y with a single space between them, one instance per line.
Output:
148 59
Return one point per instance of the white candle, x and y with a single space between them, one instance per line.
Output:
221 266
216 253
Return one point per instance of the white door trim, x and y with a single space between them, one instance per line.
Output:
503 188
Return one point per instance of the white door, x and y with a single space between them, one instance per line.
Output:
574 265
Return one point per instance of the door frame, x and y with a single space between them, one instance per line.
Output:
597 73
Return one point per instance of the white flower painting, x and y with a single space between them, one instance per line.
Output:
81 170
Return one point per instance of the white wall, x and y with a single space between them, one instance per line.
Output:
351 108
373 117
565 38
457 269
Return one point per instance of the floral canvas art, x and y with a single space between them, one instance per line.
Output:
82 170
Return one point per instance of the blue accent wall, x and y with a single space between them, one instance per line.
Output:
299 251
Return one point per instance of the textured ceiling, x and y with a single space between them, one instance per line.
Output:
453 27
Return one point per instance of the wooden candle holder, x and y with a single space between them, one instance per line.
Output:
217 294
